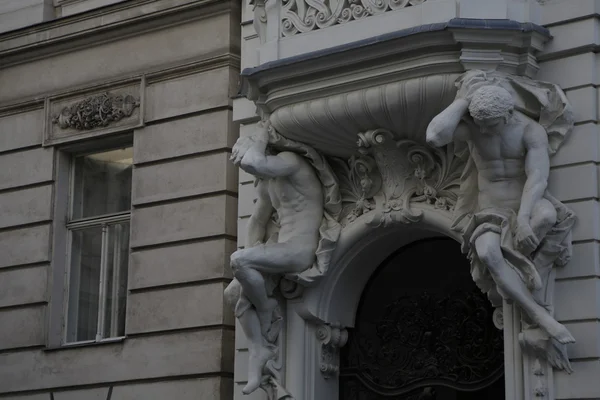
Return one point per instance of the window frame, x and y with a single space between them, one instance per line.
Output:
59 279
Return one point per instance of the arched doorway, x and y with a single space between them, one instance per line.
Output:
423 331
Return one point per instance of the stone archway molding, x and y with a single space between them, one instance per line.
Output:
359 252
332 306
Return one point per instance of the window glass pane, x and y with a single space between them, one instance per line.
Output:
84 284
102 183
116 280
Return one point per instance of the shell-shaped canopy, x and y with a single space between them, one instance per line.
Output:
331 124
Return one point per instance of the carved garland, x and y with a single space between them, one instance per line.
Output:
301 16
96 111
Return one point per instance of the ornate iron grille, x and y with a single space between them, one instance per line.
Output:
423 329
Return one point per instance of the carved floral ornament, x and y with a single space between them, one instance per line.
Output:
96 111
390 174
301 16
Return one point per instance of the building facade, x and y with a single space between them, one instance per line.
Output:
118 200
120 208
362 82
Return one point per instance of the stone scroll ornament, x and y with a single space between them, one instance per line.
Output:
96 111
301 16
514 231
290 241
389 175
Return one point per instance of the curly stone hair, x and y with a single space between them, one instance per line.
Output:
490 102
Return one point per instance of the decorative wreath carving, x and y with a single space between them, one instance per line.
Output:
96 111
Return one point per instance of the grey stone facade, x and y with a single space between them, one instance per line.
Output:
180 59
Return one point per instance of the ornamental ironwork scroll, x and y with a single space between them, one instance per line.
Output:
429 340
422 340
301 16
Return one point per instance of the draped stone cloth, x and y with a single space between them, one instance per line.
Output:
556 245
547 104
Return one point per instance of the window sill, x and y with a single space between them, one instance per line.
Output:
87 343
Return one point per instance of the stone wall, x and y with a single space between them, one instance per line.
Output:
571 61
183 58
15 14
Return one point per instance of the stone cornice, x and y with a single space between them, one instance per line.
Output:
324 98
454 24
442 48
150 76
102 25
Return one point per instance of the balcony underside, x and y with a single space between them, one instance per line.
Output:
397 82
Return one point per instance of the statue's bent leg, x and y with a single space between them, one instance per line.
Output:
543 218
260 351
487 247
248 266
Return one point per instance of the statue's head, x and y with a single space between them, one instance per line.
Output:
491 108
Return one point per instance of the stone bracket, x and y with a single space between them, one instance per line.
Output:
332 338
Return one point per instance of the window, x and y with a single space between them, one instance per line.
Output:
98 245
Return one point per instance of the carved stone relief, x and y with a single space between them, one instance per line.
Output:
519 225
260 19
389 174
301 16
96 111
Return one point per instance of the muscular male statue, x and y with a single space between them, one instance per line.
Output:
289 186
510 153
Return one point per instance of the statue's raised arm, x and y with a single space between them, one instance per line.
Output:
250 154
